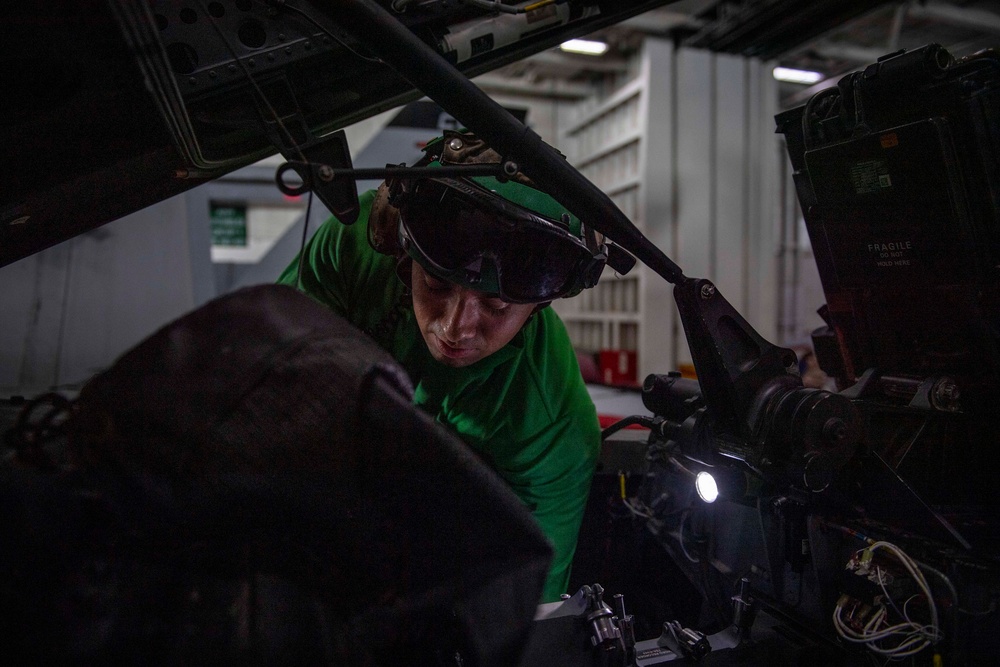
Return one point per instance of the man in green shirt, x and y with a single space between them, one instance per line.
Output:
453 276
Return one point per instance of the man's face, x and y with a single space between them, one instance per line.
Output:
462 326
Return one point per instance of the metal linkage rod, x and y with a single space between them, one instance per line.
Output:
399 48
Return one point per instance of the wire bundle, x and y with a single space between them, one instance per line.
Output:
872 627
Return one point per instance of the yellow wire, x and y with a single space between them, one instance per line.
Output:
538 5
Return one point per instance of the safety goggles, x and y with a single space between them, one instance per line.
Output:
455 227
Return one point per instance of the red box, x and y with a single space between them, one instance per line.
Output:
618 367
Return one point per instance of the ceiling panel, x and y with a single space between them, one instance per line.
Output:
832 37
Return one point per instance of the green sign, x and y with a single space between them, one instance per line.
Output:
229 224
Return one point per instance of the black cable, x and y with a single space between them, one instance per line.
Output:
302 248
429 71
649 422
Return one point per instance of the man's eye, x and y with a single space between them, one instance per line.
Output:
495 305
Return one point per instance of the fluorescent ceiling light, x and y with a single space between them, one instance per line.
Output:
796 75
589 47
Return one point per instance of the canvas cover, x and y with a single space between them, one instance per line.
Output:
252 484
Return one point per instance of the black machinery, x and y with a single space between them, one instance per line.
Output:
860 522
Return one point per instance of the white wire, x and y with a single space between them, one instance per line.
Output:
850 634
914 570
680 537
635 510
881 583
910 637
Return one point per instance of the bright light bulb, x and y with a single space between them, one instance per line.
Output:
585 46
706 487
796 75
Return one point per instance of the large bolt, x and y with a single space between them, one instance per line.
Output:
946 395
835 430
707 291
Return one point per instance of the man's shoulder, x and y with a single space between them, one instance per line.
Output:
546 339
555 411
550 364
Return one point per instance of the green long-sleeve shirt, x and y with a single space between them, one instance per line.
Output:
524 409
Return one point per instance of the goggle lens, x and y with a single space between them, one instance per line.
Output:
535 259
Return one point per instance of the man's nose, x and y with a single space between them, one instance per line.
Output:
460 318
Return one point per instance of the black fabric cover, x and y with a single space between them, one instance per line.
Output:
252 484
